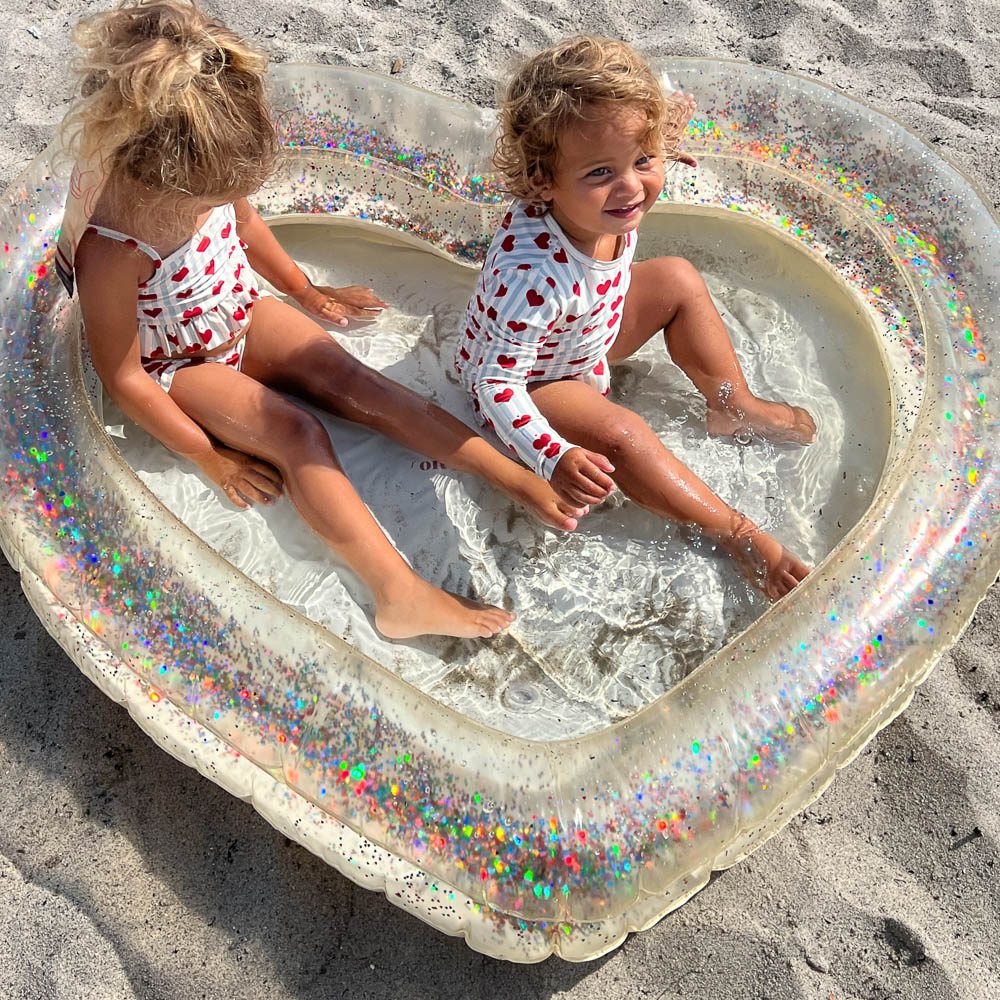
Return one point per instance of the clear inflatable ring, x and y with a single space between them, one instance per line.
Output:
526 847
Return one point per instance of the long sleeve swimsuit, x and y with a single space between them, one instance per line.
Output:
542 310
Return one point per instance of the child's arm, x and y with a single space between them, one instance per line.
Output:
107 274
268 258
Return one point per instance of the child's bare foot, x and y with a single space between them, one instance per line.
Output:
538 496
762 559
417 608
750 415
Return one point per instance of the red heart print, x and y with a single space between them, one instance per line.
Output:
239 314
476 323
508 243
594 312
542 241
616 303
550 281
570 318
618 278
237 287
603 287
504 395
147 298
236 273
185 294
607 340
545 357
181 274
524 267
206 336
579 361
599 368
192 312
210 268
505 361
173 340
507 220
553 449
540 442
576 287
204 244
192 349
157 352
464 354
536 373
217 287
560 256
613 320
521 421
501 291
534 299
226 230
479 302
153 313
233 359
516 326
491 312
469 334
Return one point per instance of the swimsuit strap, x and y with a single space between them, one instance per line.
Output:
129 241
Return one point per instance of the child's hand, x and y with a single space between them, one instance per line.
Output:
244 479
580 477
686 109
338 305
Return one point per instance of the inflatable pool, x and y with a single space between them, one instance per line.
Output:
525 837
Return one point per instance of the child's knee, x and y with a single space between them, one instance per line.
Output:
622 437
682 276
300 431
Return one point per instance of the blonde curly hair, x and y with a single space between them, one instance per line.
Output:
173 100
571 82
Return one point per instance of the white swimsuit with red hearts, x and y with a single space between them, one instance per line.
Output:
542 311
199 297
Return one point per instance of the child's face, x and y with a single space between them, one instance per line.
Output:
604 180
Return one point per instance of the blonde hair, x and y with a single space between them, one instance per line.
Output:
173 100
571 82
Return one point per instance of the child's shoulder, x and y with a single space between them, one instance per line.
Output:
524 243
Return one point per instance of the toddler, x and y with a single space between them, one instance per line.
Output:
165 252
585 131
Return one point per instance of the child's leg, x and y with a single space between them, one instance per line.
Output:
656 479
257 421
669 294
289 351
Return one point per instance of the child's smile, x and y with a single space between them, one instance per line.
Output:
605 180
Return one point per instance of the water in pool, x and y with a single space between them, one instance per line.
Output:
613 615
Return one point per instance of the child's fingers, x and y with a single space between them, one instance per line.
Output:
600 461
268 472
582 491
598 479
234 496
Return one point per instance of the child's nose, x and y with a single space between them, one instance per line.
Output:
631 183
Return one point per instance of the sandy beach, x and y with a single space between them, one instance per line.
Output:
125 874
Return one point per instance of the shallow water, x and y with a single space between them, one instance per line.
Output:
611 616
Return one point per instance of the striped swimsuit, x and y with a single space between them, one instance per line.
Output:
198 298
542 311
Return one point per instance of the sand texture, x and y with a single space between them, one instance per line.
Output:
125 874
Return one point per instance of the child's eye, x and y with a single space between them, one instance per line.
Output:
644 160
599 172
